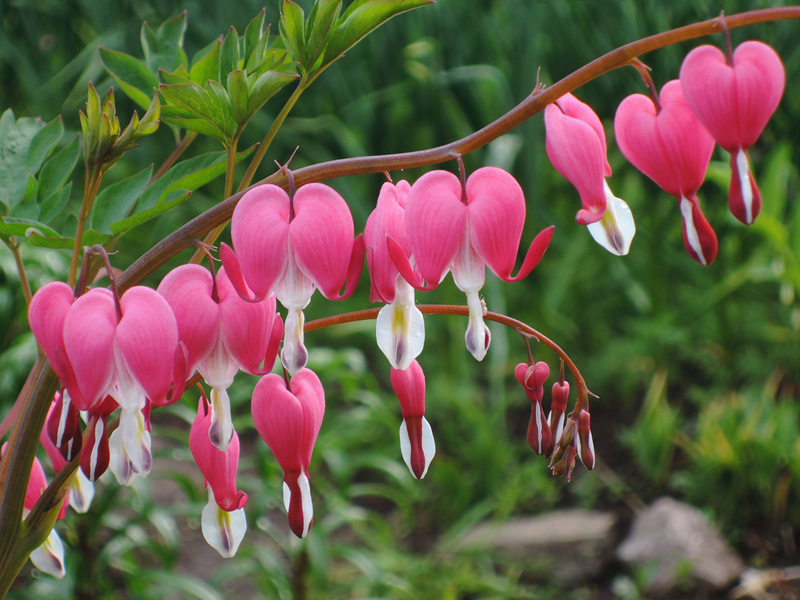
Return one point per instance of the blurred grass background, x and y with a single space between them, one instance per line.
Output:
697 369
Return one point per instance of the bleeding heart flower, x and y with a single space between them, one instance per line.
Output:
400 326
416 437
288 420
223 523
672 148
291 246
96 454
222 334
734 98
532 378
463 229
576 145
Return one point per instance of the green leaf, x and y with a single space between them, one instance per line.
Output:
361 17
194 102
163 49
53 204
239 95
229 54
27 208
253 34
42 143
291 29
179 76
320 23
267 86
187 175
15 140
175 198
131 74
114 202
207 67
57 170
20 227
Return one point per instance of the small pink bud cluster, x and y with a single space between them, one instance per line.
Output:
558 437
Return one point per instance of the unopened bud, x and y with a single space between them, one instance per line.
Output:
532 378
569 462
558 407
584 442
538 431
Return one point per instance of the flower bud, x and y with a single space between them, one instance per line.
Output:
584 443
539 437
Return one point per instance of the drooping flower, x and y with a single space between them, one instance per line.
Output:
464 228
400 326
288 420
416 437
734 99
224 523
96 453
129 351
292 246
576 145
673 149
532 378
222 334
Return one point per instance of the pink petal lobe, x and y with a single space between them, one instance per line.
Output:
259 231
147 336
496 217
535 253
354 269
187 290
576 152
760 81
308 390
409 385
246 326
89 330
46 315
322 236
218 468
388 218
435 222
572 107
278 417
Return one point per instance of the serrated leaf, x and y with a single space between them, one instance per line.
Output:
131 74
53 204
57 170
291 30
253 34
27 208
320 23
207 67
239 94
361 17
175 198
187 175
15 140
163 49
114 202
229 54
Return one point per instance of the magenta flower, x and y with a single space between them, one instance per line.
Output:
292 246
734 99
288 420
576 145
416 437
224 523
672 148
128 351
96 454
464 229
222 334
400 326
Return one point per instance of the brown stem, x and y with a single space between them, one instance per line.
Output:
644 71
221 213
23 277
91 185
179 148
463 311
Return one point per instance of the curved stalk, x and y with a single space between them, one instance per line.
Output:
184 237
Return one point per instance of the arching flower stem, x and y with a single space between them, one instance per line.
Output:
526 331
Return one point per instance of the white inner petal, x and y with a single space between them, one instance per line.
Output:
616 229
400 329
49 557
294 355
308 507
81 492
220 431
428 445
747 188
691 231
223 530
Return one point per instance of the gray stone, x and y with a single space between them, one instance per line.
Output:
571 546
676 545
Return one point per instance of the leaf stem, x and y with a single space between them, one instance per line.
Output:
179 148
92 183
13 245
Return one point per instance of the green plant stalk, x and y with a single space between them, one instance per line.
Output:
92 183
230 168
271 133
23 276
462 311
29 425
